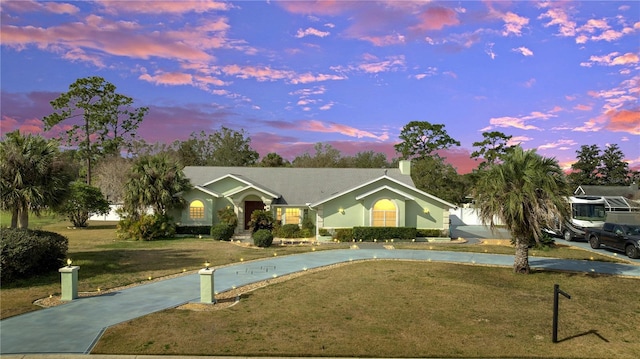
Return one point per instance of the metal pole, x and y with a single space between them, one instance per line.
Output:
556 287
556 292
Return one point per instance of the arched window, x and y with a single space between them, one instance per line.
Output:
384 214
196 210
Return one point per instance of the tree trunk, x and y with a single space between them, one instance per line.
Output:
521 261
14 217
23 218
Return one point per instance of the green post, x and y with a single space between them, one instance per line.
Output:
69 282
207 294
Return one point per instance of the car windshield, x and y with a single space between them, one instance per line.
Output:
632 230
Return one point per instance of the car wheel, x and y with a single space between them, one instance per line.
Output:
567 235
632 252
594 242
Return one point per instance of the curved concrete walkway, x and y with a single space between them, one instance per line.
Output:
75 327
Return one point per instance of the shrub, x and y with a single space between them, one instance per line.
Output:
307 223
263 238
222 232
382 233
307 233
146 227
25 252
261 220
228 216
289 231
193 230
344 234
83 201
430 233
324 232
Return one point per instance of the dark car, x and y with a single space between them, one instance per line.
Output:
621 237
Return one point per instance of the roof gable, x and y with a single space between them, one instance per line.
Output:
395 182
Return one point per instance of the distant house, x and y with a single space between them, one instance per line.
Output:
331 197
617 198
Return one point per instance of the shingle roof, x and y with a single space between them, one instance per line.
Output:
625 191
298 186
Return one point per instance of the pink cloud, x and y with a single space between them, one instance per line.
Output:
436 18
513 24
34 6
311 32
523 50
159 7
511 122
560 144
318 126
392 63
172 78
581 107
107 37
592 125
628 58
559 17
624 121
317 7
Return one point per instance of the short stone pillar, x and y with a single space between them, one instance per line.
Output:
69 282
207 295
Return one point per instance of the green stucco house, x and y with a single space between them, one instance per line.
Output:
331 197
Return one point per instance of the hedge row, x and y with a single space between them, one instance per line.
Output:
382 233
25 252
206 230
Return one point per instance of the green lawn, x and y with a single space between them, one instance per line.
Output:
401 309
374 308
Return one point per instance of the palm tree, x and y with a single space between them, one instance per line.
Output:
527 193
155 182
31 176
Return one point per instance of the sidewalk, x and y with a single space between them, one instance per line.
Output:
75 327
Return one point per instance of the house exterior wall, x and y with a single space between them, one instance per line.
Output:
409 212
183 218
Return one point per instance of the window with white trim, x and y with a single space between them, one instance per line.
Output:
384 214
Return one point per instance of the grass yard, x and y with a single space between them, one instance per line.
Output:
401 309
106 262
376 308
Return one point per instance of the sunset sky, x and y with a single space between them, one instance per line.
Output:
554 74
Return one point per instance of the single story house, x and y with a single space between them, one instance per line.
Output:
331 197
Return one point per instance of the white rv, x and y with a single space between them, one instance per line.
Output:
586 212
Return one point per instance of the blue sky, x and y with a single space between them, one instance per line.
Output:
554 75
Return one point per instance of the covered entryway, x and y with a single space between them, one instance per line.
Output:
249 207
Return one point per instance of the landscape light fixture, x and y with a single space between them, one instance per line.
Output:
206 265
69 261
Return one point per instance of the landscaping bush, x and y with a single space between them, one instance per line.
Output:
263 238
289 231
324 232
25 252
344 234
146 227
222 232
193 230
430 233
307 224
261 220
228 216
382 233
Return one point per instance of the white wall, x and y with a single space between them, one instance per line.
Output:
111 216
467 217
